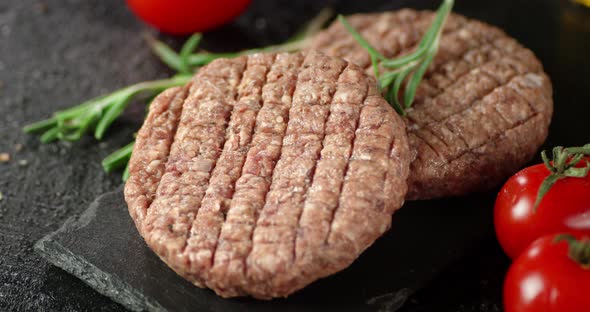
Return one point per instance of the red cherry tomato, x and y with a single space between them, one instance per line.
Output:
187 16
565 208
545 279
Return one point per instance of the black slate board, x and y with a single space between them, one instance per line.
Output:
102 248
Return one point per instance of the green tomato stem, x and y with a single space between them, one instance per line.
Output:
562 166
578 250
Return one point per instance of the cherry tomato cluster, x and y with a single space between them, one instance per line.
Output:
542 221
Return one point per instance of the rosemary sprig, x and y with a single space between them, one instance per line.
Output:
186 61
96 115
409 68
118 158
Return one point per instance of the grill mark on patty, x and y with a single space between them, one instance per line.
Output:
403 47
360 199
341 39
495 137
406 35
482 102
270 175
346 169
210 217
500 115
322 198
257 171
480 45
322 139
529 98
396 152
160 136
475 54
478 159
519 93
470 88
456 132
453 30
407 47
433 73
441 132
473 65
498 84
445 121
218 156
427 143
291 178
192 158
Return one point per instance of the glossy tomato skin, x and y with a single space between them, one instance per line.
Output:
565 208
180 17
544 279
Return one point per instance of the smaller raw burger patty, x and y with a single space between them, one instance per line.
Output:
481 111
267 172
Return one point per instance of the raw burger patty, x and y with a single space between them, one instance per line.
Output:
482 110
267 172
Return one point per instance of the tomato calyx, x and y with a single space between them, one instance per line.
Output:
579 250
563 165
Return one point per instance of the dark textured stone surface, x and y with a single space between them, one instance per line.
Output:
54 54
102 248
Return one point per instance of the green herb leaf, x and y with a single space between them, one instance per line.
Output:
187 61
412 85
394 92
118 158
313 26
165 53
98 114
49 135
40 126
413 65
189 46
125 175
361 41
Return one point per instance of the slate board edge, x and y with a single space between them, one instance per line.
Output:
103 283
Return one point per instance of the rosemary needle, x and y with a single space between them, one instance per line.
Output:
96 114
409 68
118 158
125 175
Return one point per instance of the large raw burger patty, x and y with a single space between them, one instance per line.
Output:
267 172
482 110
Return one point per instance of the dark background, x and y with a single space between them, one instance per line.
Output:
55 54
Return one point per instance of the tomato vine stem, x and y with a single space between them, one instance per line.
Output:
579 250
564 164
